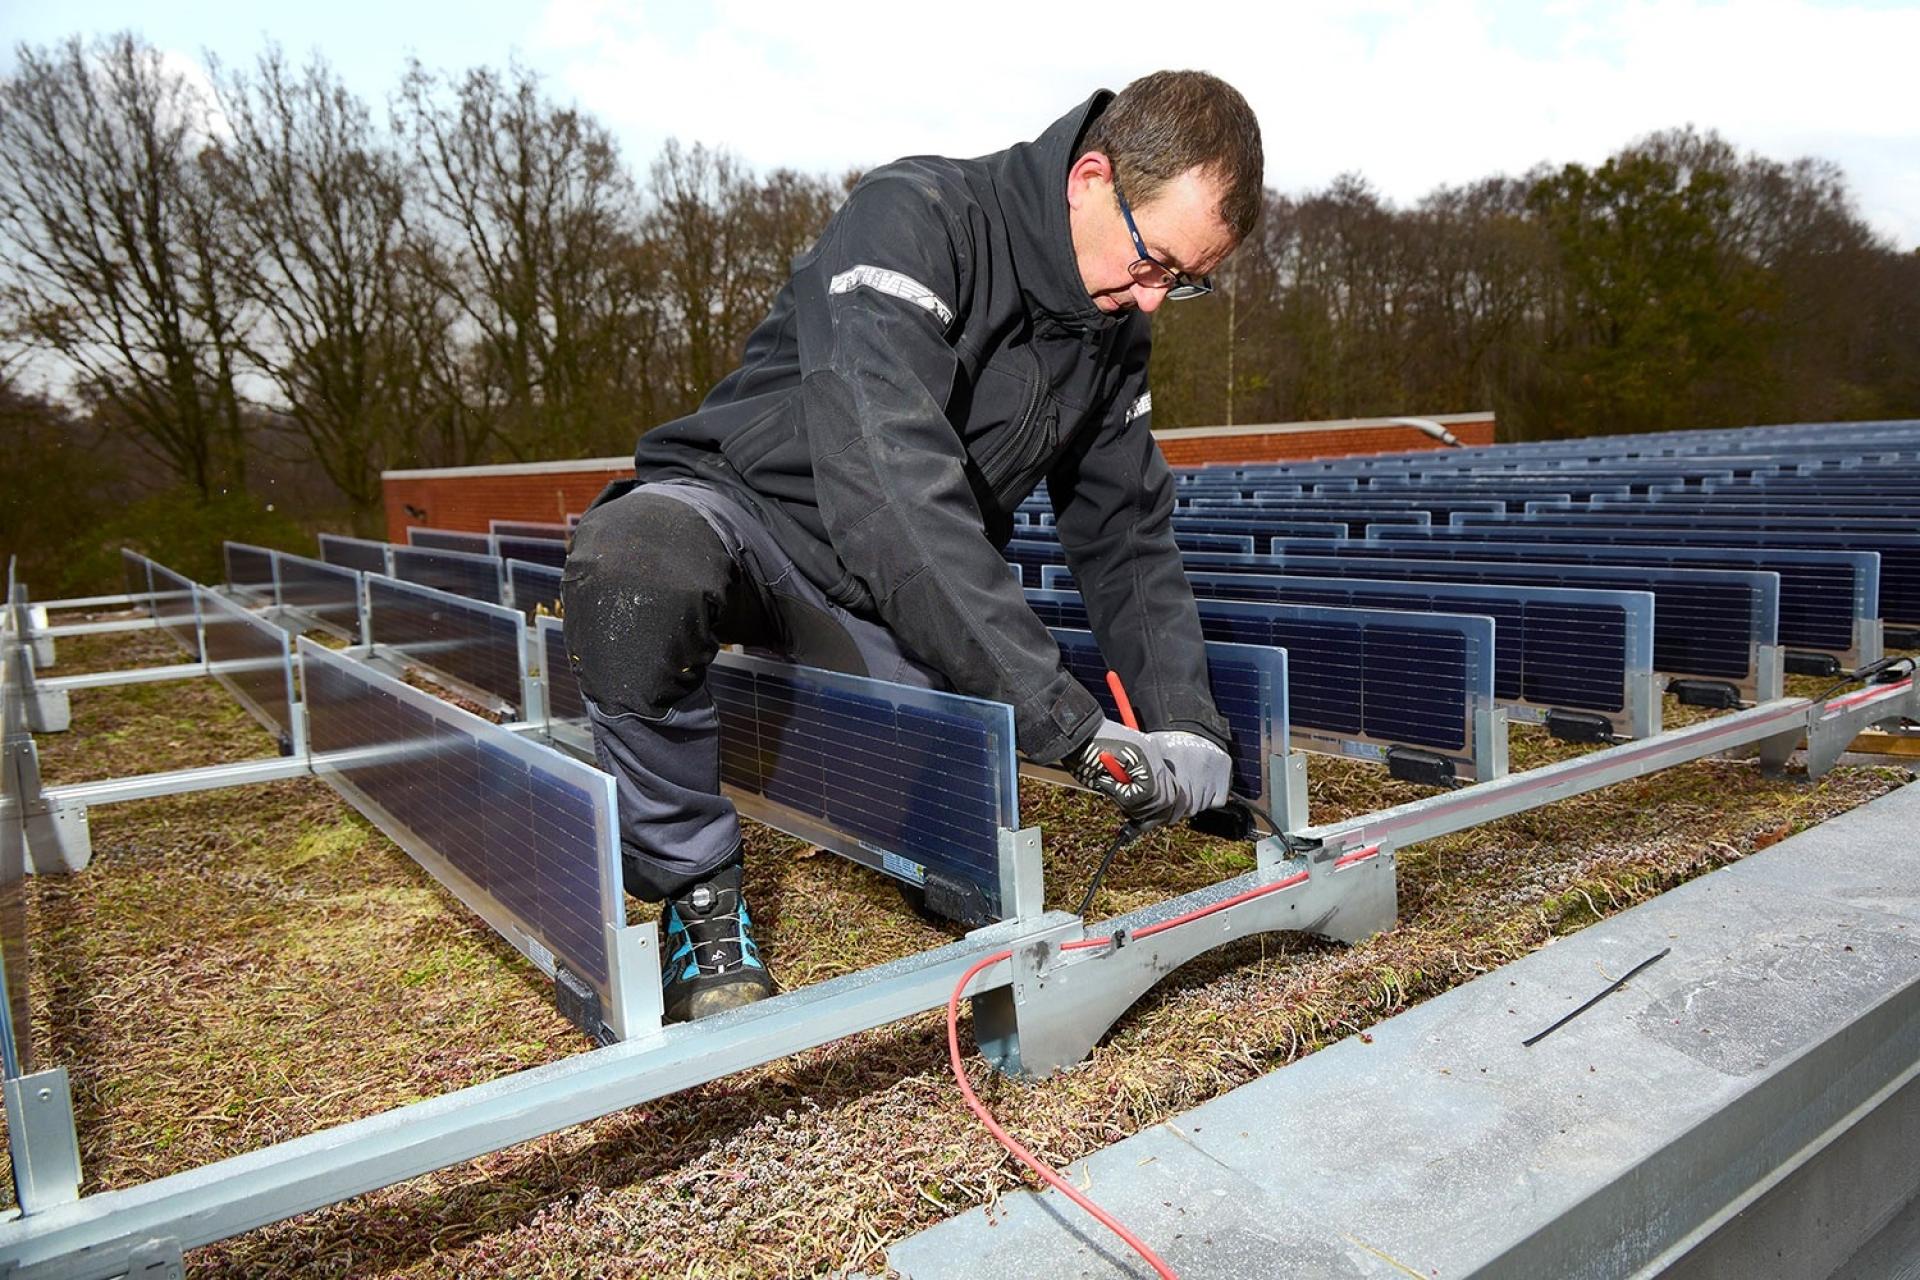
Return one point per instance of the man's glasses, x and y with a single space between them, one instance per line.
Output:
1154 274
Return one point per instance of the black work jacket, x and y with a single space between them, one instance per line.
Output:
933 359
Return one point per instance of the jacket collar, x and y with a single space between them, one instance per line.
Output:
1030 179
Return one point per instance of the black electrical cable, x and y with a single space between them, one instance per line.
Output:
1862 673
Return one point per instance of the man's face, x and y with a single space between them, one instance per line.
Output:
1180 226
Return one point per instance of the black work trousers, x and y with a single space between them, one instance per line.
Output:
658 580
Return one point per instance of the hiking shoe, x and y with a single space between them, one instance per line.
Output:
712 964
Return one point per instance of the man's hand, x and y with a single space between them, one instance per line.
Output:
1123 765
1155 778
1194 774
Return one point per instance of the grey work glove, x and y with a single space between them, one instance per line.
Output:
1194 774
1123 765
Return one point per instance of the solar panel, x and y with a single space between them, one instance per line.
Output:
1354 519
520 833
533 550
1249 684
912 782
250 657
1553 647
139 580
1707 623
1895 541
326 595
16 1042
1828 599
175 608
249 571
479 544
533 587
528 529
465 574
1360 680
479 646
363 554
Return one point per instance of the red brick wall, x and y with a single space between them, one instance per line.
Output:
1333 442
467 500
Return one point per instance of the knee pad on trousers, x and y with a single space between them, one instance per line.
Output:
649 594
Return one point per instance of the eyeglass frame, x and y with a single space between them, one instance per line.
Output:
1179 285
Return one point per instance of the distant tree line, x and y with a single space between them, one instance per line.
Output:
248 269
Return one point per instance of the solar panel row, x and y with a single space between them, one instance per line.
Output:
477 645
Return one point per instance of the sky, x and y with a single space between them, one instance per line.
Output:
1410 95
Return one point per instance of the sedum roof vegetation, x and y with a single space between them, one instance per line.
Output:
241 967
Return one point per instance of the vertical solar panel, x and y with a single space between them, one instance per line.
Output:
139 580
16 1046
536 550
522 834
919 780
1708 623
1249 685
564 704
479 544
363 554
533 588
251 658
326 595
1827 598
464 574
903 780
175 608
1554 647
249 571
1360 680
478 646
528 529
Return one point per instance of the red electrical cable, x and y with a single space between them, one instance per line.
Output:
1012 1144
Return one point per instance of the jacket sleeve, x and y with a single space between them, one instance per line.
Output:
878 303
1113 505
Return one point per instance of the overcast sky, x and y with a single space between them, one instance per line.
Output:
1411 95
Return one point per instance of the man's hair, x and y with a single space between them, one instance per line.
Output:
1166 123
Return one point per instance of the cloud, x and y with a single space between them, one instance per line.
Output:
1409 94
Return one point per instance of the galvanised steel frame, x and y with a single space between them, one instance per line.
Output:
1040 1009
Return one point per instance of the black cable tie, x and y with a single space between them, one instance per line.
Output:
1618 983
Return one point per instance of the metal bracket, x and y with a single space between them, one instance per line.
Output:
1489 744
1059 1003
1023 888
46 1155
59 840
1287 788
637 1010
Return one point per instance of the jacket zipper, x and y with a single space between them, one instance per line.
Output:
1026 442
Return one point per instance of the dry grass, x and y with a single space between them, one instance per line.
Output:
241 967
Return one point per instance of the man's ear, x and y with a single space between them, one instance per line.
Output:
1092 171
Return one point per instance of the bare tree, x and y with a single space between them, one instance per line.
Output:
525 227
319 197
113 241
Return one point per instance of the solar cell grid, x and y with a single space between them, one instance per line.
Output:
1354 673
463 573
133 567
175 609
1249 686
533 550
250 657
479 544
1821 593
1552 647
249 570
513 828
328 594
527 529
16 1042
478 645
533 587
354 553
922 775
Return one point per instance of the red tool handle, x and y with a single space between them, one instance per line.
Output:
1119 691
